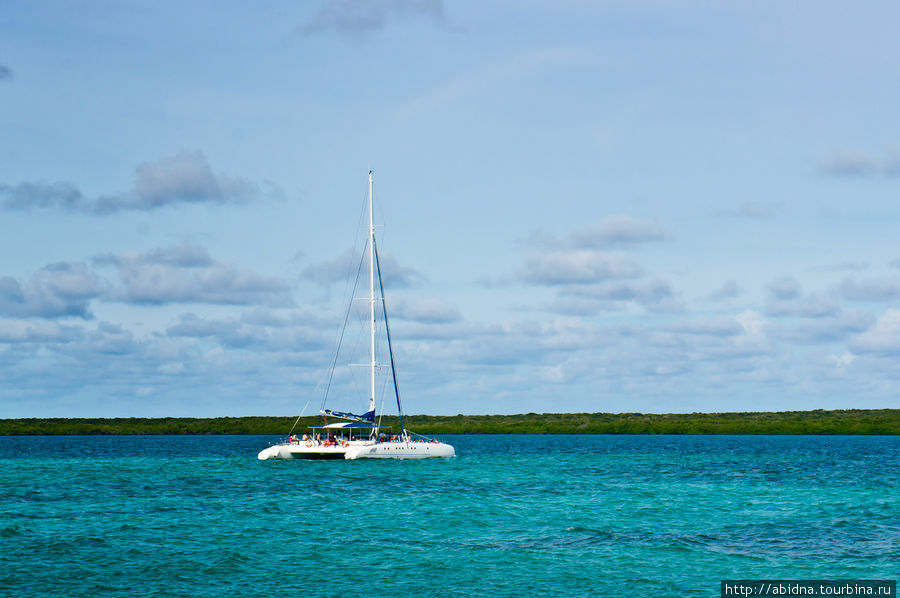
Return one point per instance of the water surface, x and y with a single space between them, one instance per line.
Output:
511 515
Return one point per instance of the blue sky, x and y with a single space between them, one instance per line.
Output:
586 206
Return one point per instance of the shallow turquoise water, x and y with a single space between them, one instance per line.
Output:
511 515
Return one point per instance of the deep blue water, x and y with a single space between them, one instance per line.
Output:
510 516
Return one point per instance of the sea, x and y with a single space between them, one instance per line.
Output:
562 516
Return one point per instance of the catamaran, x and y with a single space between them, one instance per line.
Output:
359 436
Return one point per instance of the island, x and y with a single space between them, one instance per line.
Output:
820 422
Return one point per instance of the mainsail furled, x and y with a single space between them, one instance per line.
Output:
367 417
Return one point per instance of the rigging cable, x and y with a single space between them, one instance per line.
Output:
339 337
387 330
340 340
298 418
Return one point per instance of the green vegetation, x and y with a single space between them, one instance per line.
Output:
852 421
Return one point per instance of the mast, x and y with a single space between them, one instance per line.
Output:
371 297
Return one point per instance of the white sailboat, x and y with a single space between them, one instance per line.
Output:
358 436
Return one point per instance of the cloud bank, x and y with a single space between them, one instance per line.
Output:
178 274
611 232
348 263
64 289
592 269
186 274
185 178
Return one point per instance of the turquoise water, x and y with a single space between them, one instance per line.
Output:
510 516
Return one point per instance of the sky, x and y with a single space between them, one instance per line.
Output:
615 206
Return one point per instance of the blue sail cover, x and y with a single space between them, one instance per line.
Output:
368 417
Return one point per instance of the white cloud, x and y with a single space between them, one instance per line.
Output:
850 163
819 305
874 288
589 280
427 310
252 334
54 291
184 255
713 342
611 232
186 274
185 178
181 179
786 287
14 331
753 323
831 328
814 305
729 290
723 326
653 294
582 266
171 368
27 196
616 231
111 339
860 163
842 361
349 263
846 266
882 337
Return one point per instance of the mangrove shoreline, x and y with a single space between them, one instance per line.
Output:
819 422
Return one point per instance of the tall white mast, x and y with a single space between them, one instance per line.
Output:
371 296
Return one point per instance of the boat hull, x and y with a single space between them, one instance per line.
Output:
303 451
359 450
401 450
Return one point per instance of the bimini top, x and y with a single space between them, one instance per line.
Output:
346 425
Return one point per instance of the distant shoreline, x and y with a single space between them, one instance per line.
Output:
818 422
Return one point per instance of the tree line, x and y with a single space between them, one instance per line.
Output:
849 421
